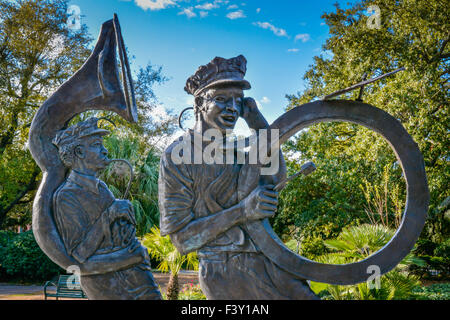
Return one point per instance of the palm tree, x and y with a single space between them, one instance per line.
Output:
144 189
359 242
162 249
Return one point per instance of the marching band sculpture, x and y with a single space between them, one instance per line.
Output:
218 209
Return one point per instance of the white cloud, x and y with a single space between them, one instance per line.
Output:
258 10
303 37
207 6
265 100
293 50
233 6
188 12
236 15
277 31
154 4
203 14
159 114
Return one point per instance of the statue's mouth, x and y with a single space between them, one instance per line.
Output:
229 120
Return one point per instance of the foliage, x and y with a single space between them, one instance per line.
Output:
355 244
438 291
191 292
5 238
380 199
162 249
21 258
37 53
414 35
144 189
443 249
436 257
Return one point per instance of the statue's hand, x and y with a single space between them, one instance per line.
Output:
260 204
249 108
122 209
145 265
142 251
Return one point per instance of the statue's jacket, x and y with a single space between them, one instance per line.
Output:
80 205
192 191
232 261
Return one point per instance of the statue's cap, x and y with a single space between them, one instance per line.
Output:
219 72
80 130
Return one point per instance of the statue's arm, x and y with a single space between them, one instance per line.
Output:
68 214
200 232
114 261
256 121
93 239
176 203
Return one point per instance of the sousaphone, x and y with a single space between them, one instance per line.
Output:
98 85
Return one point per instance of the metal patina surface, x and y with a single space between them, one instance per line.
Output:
221 210
77 221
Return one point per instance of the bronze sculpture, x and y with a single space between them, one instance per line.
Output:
76 220
92 222
206 207
215 207
221 210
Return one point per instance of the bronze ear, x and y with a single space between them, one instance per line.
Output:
199 101
79 152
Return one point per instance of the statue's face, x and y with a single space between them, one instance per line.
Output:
223 107
92 153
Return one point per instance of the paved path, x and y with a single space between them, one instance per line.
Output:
19 292
8 289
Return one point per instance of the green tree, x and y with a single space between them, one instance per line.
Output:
144 188
162 249
414 35
37 53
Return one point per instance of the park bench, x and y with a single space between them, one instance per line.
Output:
65 288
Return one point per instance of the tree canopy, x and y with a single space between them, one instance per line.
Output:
413 35
38 52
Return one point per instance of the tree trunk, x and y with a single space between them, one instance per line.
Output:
32 185
173 287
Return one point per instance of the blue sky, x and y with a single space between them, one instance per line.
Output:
278 38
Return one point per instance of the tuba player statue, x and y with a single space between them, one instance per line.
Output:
92 223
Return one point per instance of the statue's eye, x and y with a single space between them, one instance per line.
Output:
220 99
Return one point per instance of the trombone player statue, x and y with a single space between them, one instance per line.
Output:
77 221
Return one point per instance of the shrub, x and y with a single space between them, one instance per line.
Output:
5 238
354 244
191 292
439 291
437 258
443 250
22 260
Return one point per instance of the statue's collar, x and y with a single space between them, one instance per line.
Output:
91 183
